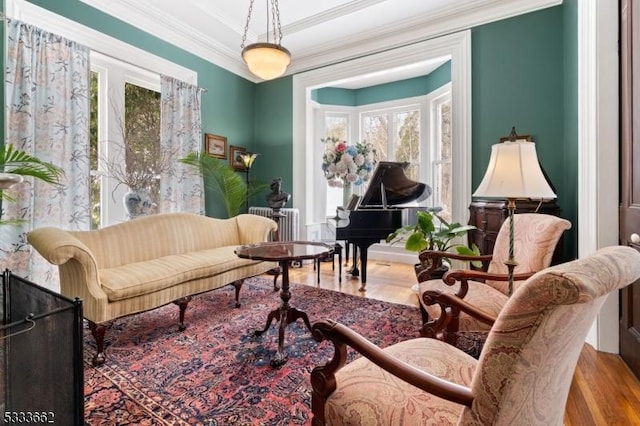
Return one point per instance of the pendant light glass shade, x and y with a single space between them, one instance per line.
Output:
266 60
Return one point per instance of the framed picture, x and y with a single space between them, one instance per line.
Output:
215 145
235 157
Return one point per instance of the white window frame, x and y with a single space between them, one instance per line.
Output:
401 105
429 130
435 100
113 75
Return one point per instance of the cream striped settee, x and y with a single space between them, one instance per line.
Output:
150 261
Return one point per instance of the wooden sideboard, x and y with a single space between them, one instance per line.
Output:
488 215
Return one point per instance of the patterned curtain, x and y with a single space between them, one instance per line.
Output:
181 188
47 107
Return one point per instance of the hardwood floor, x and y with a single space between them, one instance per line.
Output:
603 392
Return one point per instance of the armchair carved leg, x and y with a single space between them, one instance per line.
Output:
182 304
97 331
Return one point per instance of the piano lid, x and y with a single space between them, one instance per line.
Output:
390 186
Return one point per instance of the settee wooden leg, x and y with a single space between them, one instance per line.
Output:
238 286
276 273
97 331
182 304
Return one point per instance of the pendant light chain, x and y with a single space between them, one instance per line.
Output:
246 26
275 17
276 22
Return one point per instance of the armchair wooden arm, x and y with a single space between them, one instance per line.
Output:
323 379
450 305
427 255
462 275
431 262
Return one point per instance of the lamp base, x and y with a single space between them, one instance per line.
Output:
511 262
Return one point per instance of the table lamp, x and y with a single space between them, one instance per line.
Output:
514 172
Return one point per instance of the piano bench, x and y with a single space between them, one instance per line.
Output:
337 251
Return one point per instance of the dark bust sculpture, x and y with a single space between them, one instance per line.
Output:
277 198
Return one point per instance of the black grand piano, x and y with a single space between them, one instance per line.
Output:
379 212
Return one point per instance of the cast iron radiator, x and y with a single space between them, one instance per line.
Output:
41 367
289 224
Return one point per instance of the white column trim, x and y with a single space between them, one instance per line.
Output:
598 146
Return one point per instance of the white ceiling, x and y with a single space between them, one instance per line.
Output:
316 32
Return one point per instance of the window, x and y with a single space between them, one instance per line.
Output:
441 164
336 125
395 134
124 136
415 130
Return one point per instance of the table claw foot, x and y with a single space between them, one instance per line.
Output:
273 315
279 359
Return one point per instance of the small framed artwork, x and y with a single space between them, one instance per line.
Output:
215 145
235 157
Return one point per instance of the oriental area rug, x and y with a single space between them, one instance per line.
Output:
217 372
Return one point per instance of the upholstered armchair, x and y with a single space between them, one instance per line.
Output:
467 301
523 374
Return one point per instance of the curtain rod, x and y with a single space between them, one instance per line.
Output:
203 89
3 17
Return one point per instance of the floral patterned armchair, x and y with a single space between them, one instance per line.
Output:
523 374
461 307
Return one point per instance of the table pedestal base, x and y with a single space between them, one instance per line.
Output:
285 315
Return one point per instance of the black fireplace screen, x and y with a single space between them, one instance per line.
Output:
41 355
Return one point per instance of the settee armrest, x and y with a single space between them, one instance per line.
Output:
74 258
254 229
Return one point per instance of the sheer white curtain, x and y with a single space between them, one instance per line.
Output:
47 106
181 188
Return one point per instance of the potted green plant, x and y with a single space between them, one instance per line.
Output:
433 232
15 164
220 179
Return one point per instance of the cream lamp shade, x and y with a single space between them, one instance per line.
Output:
266 60
514 172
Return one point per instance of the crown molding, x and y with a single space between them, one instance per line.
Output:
328 15
227 56
418 29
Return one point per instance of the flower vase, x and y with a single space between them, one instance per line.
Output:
138 202
346 194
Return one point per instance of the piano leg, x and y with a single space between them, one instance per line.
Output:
354 271
363 245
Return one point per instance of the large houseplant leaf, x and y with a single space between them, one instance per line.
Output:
221 180
20 163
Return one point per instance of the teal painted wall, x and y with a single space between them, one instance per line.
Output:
335 96
408 88
274 134
519 80
228 104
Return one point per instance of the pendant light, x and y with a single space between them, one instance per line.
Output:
266 60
